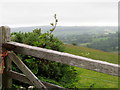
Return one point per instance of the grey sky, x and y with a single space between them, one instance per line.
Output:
72 12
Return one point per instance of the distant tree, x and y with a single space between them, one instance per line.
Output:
110 43
74 44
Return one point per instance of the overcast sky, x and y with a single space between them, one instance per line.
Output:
69 12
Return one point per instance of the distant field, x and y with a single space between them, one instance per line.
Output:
88 78
114 52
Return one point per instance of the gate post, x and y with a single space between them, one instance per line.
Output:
5 81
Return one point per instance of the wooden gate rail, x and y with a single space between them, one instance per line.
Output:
34 80
87 63
22 78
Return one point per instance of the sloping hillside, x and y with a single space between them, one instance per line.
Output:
91 79
91 53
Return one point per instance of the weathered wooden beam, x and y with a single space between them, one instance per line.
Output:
36 82
87 63
5 37
22 78
7 80
19 76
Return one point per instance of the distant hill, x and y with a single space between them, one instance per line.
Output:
87 36
70 30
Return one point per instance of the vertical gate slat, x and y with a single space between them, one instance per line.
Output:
5 37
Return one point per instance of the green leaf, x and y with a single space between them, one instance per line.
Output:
52 29
29 60
52 24
56 20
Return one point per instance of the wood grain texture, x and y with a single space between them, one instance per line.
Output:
7 80
5 37
22 78
87 63
34 80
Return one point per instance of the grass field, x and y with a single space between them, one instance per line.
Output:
91 53
88 78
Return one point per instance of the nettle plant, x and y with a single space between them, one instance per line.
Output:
65 75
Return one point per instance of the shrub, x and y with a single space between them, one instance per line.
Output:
65 75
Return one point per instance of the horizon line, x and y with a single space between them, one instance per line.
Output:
17 26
